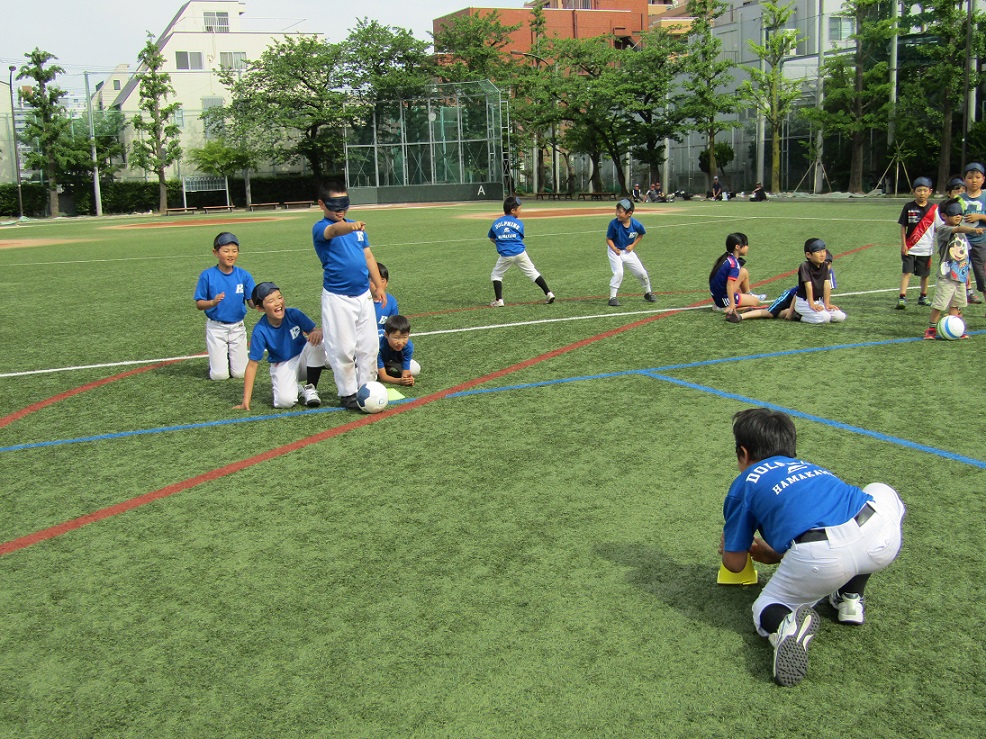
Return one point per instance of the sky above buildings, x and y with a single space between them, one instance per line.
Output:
97 35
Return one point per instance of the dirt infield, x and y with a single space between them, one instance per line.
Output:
528 213
182 221
21 243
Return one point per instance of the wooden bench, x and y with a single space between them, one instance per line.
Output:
597 196
300 203
210 208
179 211
553 196
272 206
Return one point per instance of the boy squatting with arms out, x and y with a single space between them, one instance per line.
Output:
814 300
729 280
827 536
917 238
622 237
395 363
953 258
294 350
348 315
225 334
507 235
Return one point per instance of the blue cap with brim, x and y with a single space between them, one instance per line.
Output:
261 291
952 208
974 167
922 182
813 245
955 183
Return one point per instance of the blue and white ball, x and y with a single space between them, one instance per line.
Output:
951 328
372 397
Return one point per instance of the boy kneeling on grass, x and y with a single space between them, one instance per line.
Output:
394 362
294 349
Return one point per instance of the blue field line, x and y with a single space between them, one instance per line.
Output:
544 383
824 421
182 427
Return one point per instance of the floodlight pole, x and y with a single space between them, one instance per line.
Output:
92 144
13 131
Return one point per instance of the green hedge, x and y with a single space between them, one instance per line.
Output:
35 200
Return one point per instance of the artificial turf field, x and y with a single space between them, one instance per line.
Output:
526 546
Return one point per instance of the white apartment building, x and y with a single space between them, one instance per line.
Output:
204 37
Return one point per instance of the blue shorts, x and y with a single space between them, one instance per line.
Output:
720 301
784 300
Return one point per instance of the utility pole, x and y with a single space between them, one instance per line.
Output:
17 156
97 195
819 96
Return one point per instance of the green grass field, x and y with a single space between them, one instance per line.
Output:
528 550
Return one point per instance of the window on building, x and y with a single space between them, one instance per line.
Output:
180 118
188 59
215 129
216 22
841 28
232 60
116 84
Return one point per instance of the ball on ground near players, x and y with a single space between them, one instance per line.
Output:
951 327
372 397
415 368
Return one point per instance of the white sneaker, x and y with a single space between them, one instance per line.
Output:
791 643
549 298
762 297
497 303
311 396
851 607
717 309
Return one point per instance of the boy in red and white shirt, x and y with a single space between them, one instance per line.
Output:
917 241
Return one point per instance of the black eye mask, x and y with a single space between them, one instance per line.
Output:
337 204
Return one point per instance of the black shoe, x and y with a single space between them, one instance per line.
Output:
971 297
613 302
349 402
902 304
649 297
734 318
923 300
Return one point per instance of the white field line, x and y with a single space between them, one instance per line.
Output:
462 330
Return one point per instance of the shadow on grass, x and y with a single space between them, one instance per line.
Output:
691 589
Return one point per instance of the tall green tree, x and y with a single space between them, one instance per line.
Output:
857 86
708 105
472 47
47 125
296 89
157 145
769 91
385 62
931 96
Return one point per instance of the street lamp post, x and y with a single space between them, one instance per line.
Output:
13 131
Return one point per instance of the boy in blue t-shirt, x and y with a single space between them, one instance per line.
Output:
349 274
826 536
622 237
390 309
974 207
507 235
222 292
294 349
395 363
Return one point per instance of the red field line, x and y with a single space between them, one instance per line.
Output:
127 505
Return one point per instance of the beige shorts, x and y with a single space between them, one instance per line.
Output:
948 293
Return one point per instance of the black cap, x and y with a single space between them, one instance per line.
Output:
955 183
813 245
261 291
951 208
225 238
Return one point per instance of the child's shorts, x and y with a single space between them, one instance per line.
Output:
914 265
949 293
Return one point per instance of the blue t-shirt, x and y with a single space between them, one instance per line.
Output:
389 356
782 498
383 313
238 286
343 260
623 236
974 205
508 233
282 342
728 270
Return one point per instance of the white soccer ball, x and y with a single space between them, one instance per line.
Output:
951 327
372 397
